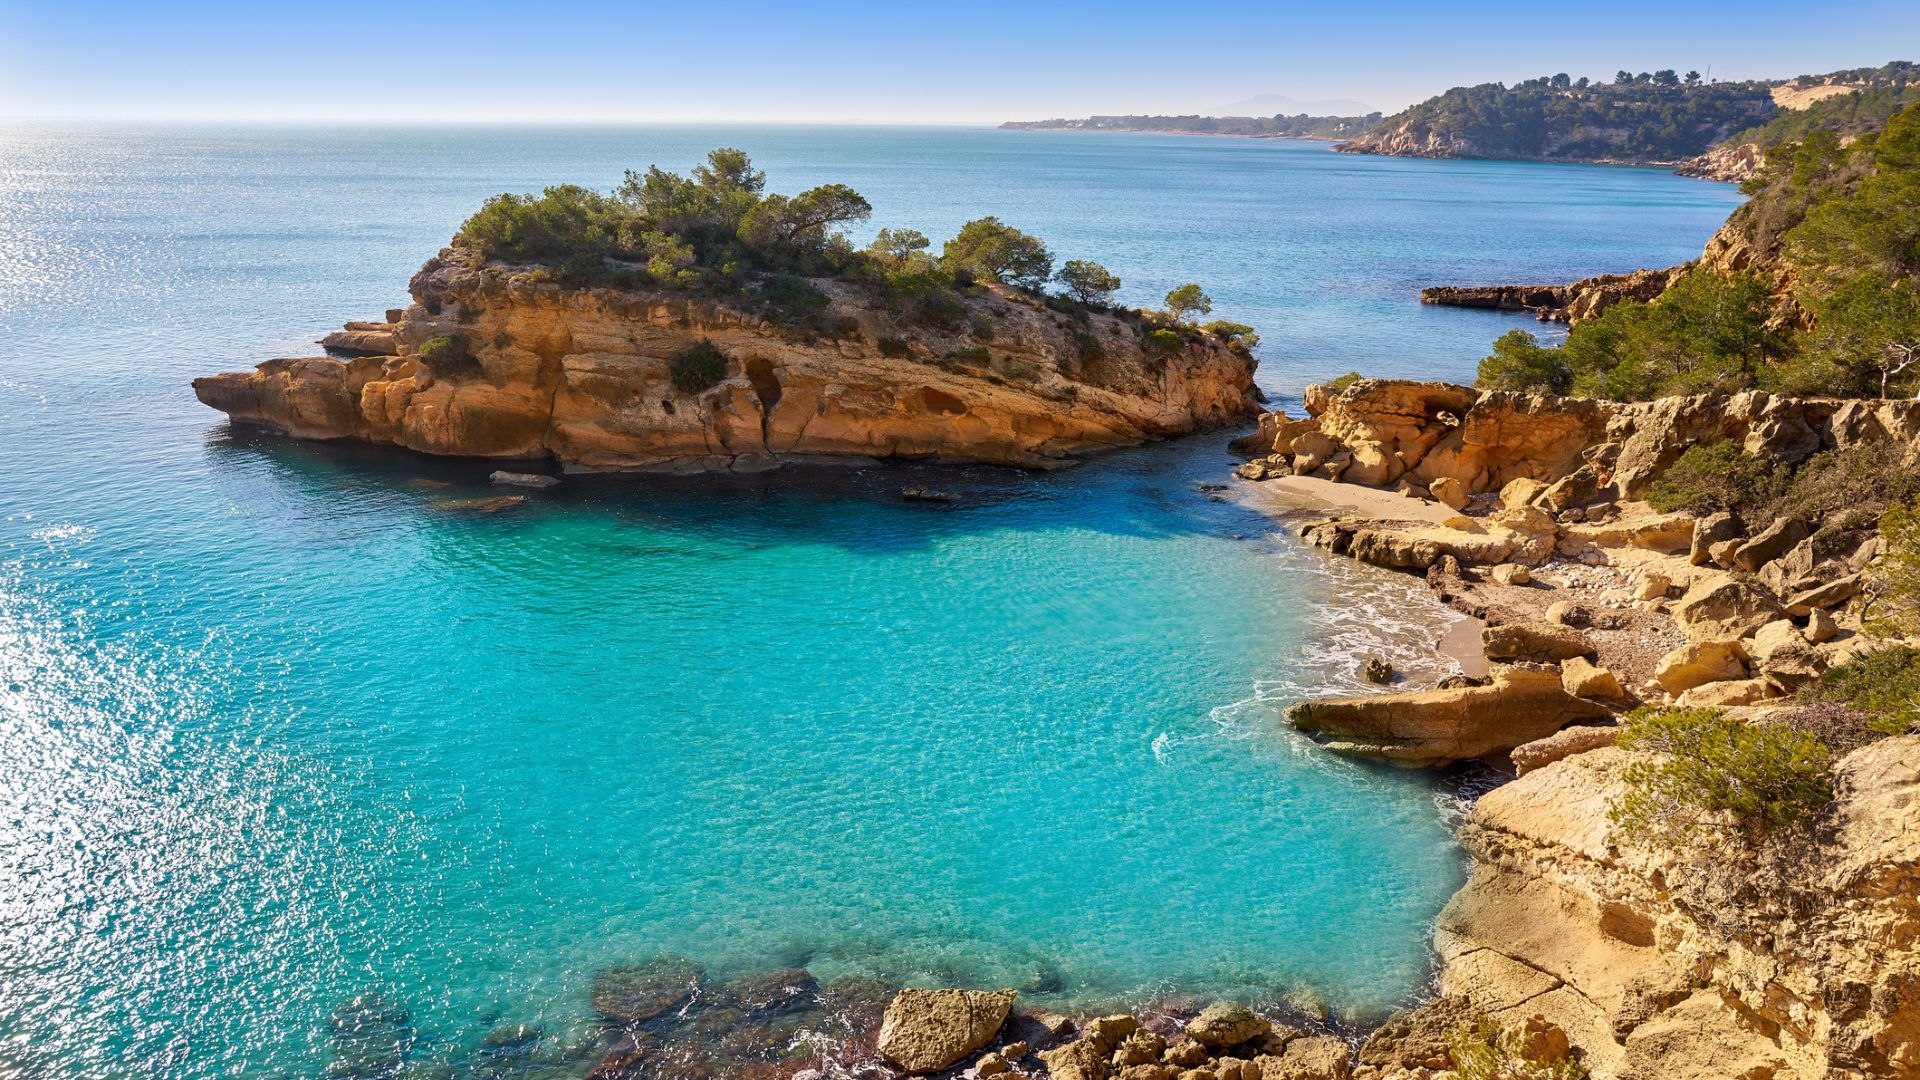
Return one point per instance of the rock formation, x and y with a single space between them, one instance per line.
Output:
1434 727
497 361
1680 964
1568 303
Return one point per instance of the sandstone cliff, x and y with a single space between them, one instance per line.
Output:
523 367
1802 963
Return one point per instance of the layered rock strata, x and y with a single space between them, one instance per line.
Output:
495 361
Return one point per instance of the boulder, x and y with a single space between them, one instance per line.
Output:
1722 695
1583 679
1710 530
1520 493
1317 1057
1377 670
1820 626
1832 594
521 479
1225 1024
1700 663
925 1031
1511 574
1433 727
1451 492
1568 613
1561 744
1652 585
1577 488
1772 542
1538 642
1719 607
1082 1059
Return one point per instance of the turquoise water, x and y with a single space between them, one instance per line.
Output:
278 727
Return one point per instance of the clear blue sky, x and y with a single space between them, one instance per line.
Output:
906 61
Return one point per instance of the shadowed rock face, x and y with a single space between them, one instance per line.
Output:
584 376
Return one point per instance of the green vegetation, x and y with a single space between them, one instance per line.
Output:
1895 604
1884 91
894 347
1164 339
699 367
1842 224
719 232
1713 773
1710 477
1088 282
1239 335
1339 385
1483 1051
1646 117
1883 684
992 249
1188 300
446 355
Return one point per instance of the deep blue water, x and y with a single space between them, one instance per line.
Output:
277 728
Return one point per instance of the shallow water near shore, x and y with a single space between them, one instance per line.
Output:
283 724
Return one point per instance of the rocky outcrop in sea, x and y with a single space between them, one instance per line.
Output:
501 361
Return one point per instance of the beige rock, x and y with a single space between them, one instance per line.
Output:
1702 1039
1721 607
1321 1057
1719 695
1564 743
1226 1023
927 1030
1139 1048
1722 552
1582 678
1428 727
1082 1059
1699 663
1831 594
1511 574
1652 585
1520 492
1771 543
1451 492
1710 530
1821 626
1568 613
990 1065
1539 642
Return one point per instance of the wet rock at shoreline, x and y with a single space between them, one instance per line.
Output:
1432 727
927 1030
1226 1024
1536 642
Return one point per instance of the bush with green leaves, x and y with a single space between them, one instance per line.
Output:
1894 605
1187 300
992 249
1710 477
1707 773
447 355
1237 335
1883 683
1088 282
1337 386
894 347
698 368
1485 1051
1163 340
1519 362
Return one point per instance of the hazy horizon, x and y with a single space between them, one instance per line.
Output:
869 64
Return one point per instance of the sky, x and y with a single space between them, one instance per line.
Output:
904 62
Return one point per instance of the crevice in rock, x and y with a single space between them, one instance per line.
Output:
766 387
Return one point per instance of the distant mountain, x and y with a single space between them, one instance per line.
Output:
1658 118
1282 105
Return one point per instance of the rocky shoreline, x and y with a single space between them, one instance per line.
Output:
1567 303
1652 960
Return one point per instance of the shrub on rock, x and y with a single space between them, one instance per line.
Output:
1709 771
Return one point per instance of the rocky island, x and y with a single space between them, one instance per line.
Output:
697 325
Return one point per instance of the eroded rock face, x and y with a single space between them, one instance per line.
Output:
584 376
1594 450
927 1030
1640 956
1433 727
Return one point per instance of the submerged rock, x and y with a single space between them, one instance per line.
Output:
631 995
